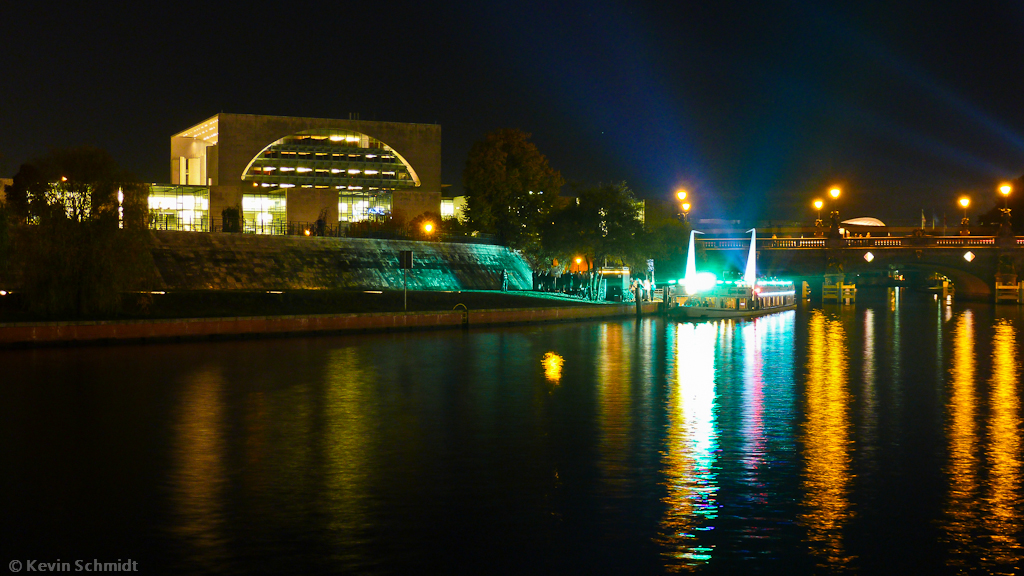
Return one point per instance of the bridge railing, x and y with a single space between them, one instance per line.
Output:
879 242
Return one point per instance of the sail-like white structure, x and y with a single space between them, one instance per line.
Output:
691 260
750 273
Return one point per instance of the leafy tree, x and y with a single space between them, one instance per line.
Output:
5 243
1015 202
510 188
17 192
390 226
666 239
417 228
91 243
231 220
602 224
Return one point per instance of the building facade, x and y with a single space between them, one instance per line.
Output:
279 170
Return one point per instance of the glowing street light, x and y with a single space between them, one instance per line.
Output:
965 224
965 202
686 211
1005 190
428 227
833 229
681 194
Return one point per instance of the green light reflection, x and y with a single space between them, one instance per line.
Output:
690 459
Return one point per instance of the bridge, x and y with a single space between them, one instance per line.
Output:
973 263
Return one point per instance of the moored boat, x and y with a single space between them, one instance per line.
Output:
707 297
736 300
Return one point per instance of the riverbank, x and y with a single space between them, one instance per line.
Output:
497 308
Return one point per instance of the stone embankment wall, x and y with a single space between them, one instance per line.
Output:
49 333
218 261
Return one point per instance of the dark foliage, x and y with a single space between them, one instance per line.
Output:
89 244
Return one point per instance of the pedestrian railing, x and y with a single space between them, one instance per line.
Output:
859 242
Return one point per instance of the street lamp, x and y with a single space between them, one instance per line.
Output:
833 229
686 211
1006 224
428 227
965 224
681 194
817 222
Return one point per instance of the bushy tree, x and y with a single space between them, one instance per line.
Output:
665 238
1015 202
601 224
510 188
90 244
417 228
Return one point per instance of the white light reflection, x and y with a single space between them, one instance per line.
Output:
690 458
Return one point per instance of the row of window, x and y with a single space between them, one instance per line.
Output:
332 172
312 155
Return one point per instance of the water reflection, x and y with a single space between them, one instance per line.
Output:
552 364
690 460
199 479
961 510
1003 500
612 364
754 449
350 419
827 442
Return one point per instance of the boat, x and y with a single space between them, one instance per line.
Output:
705 296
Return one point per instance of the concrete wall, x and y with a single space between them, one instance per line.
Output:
304 205
218 261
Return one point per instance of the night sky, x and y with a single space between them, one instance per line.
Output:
756 108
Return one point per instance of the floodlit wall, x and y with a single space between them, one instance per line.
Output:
219 261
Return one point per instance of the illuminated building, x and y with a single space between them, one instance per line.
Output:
278 170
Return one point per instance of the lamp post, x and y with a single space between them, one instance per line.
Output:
683 205
1005 222
817 223
965 224
686 212
833 230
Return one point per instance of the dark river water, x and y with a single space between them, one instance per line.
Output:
883 438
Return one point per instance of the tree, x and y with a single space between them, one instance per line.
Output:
1015 202
666 238
90 244
603 223
510 188
428 226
